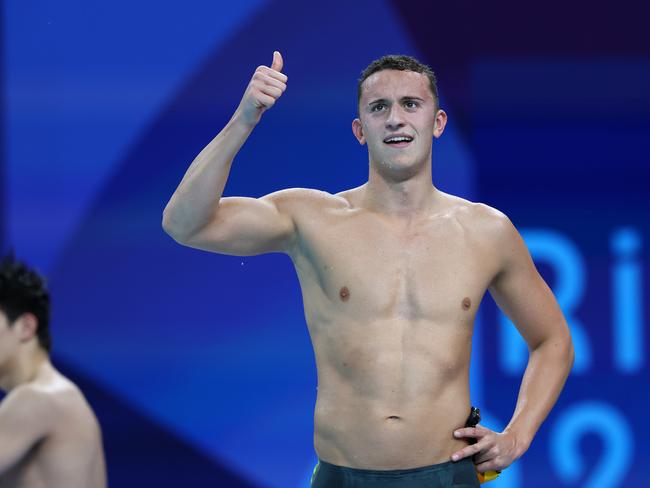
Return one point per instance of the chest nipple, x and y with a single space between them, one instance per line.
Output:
344 294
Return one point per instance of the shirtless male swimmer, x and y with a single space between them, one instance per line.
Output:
392 273
49 436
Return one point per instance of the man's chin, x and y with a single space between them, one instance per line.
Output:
403 162
399 169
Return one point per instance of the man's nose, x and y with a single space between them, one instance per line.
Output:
395 118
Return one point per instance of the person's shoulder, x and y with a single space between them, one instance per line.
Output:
26 393
55 388
29 401
469 208
296 199
480 217
69 406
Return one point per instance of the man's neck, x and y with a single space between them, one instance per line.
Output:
25 367
413 196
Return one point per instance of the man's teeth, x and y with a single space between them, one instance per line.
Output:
398 139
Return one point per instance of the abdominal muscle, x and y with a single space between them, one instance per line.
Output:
390 392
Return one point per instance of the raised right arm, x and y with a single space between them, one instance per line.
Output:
198 216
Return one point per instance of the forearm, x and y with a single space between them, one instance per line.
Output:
547 370
196 199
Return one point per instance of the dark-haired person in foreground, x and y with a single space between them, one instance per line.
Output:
392 273
49 436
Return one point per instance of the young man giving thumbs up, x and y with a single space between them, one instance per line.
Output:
392 273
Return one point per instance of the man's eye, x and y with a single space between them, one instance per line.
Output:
378 107
410 104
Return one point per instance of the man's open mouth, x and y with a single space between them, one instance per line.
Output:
398 141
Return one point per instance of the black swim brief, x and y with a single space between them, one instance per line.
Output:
461 474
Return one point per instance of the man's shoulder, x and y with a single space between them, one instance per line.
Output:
51 396
480 217
479 211
28 401
297 199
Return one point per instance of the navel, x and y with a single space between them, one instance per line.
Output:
393 417
467 303
344 293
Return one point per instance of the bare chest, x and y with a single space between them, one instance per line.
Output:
434 269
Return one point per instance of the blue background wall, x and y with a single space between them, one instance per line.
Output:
199 366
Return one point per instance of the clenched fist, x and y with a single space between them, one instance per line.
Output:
264 89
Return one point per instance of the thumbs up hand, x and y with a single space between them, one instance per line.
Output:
265 87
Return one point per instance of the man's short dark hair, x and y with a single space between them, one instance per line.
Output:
401 63
23 290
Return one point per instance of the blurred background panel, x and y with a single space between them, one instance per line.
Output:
200 366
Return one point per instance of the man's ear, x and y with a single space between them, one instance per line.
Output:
357 130
27 325
440 123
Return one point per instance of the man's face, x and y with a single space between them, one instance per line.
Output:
398 118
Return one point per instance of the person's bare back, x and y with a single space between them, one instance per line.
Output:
49 436
69 454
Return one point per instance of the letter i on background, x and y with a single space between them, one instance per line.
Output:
627 320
